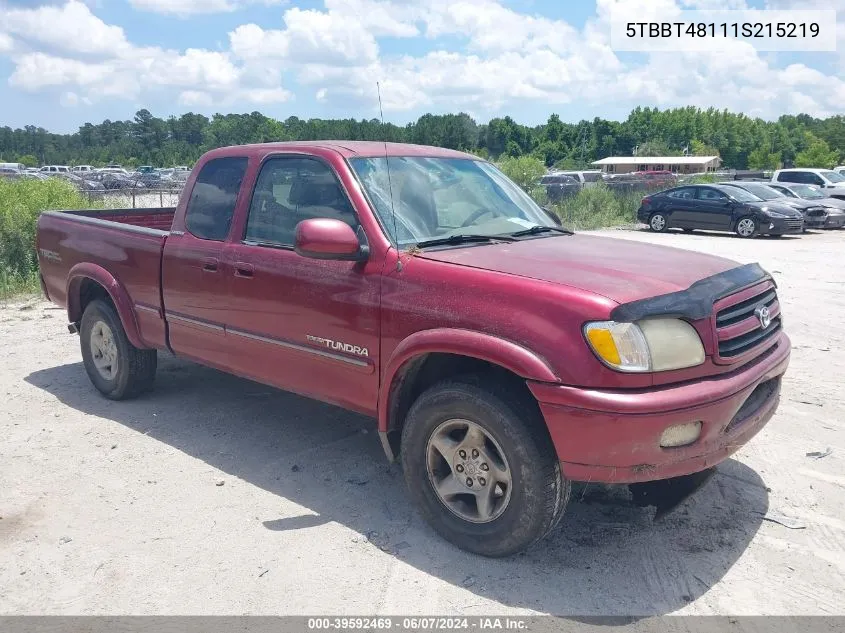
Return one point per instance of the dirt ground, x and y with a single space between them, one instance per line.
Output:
216 495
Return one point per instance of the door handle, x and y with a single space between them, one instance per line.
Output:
245 270
209 265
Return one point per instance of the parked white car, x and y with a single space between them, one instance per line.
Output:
840 169
587 178
55 169
79 170
828 179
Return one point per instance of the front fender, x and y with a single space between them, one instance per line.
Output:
498 351
122 303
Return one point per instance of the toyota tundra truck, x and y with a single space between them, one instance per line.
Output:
502 356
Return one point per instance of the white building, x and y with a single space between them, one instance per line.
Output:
675 164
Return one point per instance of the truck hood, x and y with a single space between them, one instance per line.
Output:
619 269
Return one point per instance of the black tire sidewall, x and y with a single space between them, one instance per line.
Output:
525 520
96 311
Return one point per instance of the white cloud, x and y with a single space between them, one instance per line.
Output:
309 37
184 8
71 27
6 43
69 47
480 55
194 98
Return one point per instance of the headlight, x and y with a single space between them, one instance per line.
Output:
775 214
649 345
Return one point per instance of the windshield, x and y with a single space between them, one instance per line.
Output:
763 192
741 195
808 192
439 197
832 176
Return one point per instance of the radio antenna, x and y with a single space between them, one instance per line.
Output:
389 182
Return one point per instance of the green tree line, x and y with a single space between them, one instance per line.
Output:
742 142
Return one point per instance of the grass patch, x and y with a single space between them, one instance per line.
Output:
598 207
21 202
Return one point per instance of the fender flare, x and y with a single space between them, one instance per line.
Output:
119 296
497 351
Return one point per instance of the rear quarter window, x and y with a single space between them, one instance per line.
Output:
213 198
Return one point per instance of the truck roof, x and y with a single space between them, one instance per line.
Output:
348 149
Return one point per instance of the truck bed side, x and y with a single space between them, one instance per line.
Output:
87 254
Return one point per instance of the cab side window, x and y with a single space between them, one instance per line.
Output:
213 198
289 190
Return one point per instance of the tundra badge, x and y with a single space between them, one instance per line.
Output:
338 346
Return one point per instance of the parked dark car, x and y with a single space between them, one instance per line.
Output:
834 207
718 208
148 178
111 180
559 186
815 214
83 184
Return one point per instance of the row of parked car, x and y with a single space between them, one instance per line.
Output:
785 204
561 184
109 178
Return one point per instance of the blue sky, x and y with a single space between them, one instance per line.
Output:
65 62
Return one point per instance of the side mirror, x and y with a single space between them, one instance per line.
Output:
326 238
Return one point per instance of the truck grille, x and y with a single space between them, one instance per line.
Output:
738 327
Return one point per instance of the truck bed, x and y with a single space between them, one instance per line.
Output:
116 247
152 218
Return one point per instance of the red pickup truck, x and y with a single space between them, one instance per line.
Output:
502 356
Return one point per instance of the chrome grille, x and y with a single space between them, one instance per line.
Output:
738 328
796 223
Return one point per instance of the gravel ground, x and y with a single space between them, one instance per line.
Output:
217 495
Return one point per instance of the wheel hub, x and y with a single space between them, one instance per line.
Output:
104 350
469 471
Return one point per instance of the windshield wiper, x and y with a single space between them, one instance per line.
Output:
464 238
535 230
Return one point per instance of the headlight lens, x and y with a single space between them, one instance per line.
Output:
775 214
649 345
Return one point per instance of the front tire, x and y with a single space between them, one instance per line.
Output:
746 227
658 222
118 369
486 479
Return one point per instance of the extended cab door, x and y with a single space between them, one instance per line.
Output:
194 275
306 325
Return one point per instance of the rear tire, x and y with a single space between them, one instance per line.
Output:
118 369
657 222
746 227
471 445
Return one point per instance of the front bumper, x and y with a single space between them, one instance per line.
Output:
815 222
834 222
614 436
780 226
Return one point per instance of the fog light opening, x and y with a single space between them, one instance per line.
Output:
771 225
680 435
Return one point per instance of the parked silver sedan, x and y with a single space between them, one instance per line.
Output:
835 207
